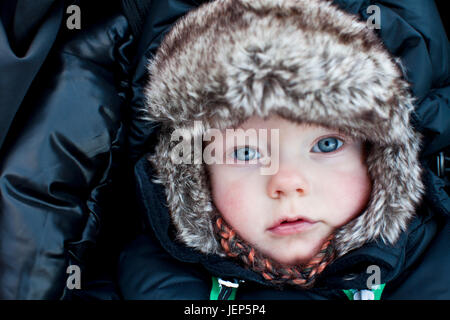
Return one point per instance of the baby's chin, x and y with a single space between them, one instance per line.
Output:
296 260
297 256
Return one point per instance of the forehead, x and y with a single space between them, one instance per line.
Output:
282 124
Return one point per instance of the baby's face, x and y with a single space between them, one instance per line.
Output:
321 184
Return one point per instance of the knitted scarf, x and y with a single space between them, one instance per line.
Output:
303 275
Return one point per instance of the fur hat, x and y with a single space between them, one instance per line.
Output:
305 60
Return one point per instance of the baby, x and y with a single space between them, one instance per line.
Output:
321 184
320 82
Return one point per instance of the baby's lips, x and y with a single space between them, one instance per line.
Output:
291 218
297 223
291 227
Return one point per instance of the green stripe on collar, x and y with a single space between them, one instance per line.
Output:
222 291
365 294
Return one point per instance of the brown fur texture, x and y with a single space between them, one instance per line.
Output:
305 60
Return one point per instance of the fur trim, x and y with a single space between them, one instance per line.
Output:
305 60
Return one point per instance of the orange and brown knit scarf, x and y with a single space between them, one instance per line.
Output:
301 275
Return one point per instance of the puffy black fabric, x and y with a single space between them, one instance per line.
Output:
154 266
61 99
22 57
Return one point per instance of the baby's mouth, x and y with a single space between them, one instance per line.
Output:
288 226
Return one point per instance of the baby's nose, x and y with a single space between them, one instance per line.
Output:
287 182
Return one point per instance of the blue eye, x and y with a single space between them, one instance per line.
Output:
327 145
246 154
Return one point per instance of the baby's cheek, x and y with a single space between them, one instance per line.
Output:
232 201
350 195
